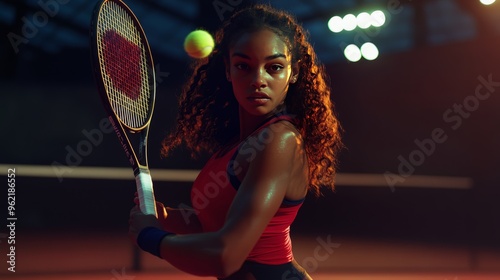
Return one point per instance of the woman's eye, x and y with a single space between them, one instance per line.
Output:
276 67
241 66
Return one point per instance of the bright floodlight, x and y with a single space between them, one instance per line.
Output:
487 2
369 51
335 24
378 18
349 22
363 20
352 53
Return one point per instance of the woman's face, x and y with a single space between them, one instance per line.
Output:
260 71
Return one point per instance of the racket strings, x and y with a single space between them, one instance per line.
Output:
122 56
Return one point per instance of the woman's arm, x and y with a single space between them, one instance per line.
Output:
258 198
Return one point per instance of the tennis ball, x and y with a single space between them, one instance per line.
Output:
199 44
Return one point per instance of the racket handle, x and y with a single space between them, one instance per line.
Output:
145 191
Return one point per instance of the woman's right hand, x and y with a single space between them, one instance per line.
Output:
160 209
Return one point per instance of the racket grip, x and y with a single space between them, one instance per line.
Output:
145 191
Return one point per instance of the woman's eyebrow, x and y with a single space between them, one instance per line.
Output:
277 55
271 57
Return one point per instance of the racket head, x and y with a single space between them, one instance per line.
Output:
123 64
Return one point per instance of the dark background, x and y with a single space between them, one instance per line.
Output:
432 54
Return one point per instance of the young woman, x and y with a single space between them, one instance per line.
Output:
260 104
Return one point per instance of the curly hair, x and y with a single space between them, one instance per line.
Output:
207 109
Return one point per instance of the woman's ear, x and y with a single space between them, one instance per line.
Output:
295 73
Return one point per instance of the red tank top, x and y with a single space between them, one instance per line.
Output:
213 192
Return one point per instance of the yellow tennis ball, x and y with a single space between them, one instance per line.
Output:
199 44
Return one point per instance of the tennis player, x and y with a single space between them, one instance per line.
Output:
260 103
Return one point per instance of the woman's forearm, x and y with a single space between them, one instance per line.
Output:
199 254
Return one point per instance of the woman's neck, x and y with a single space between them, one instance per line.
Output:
249 123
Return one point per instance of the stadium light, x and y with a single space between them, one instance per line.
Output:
369 51
363 20
349 22
335 24
378 18
352 53
487 2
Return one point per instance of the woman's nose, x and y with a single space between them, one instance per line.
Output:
259 80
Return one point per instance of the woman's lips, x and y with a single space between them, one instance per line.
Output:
259 98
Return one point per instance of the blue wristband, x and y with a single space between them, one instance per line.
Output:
149 240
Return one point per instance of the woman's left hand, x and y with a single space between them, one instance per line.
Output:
138 221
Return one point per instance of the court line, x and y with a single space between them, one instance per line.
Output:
189 175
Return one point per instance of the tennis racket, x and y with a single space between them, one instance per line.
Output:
125 76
